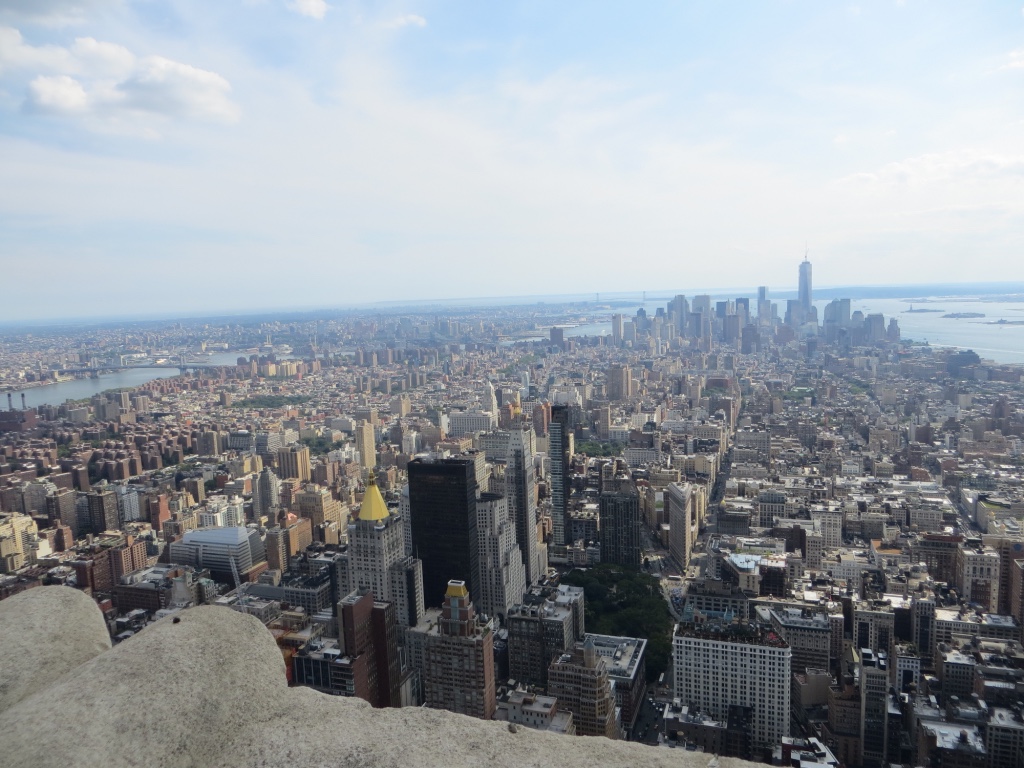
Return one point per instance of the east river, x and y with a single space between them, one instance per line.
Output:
79 389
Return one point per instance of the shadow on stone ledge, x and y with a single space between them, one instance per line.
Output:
210 690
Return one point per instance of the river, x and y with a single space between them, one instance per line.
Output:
79 389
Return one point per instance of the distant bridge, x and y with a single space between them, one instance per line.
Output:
185 366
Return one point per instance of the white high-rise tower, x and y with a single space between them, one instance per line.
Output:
490 399
502 576
377 559
521 490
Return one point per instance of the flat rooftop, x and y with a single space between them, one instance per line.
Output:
622 654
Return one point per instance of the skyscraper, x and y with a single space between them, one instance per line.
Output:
377 559
764 306
559 449
619 382
364 661
678 309
490 399
458 672
502 577
284 543
320 506
679 504
293 461
209 443
557 337
804 295
538 631
60 508
718 664
16 532
521 492
103 511
366 444
874 702
266 495
579 680
619 506
442 506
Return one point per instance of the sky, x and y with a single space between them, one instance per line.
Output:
159 156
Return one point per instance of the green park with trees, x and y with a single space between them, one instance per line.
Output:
625 601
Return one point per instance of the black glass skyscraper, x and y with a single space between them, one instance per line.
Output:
442 507
558 433
619 506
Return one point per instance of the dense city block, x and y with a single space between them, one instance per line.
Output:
707 524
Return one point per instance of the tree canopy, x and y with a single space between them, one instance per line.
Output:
595 448
320 445
270 401
625 601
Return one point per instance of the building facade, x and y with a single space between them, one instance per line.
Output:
621 523
718 665
442 505
579 680
458 665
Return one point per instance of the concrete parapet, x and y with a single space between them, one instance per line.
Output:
207 688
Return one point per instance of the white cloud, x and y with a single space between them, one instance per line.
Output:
108 82
16 54
174 89
58 95
314 9
957 167
406 20
103 59
1014 60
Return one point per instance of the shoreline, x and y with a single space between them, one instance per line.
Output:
39 384
32 385
919 344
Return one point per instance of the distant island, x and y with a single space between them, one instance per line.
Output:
918 310
1004 321
964 315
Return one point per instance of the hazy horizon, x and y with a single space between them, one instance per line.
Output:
908 293
175 157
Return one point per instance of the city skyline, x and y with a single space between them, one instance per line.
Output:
746 528
174 150
967 291
597 384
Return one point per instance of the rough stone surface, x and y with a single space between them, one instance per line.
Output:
44 634
210 691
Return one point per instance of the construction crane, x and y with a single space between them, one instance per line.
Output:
239 589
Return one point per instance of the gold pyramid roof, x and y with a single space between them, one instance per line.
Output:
456 589
373 508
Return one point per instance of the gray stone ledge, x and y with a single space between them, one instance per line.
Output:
210 690
44 634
